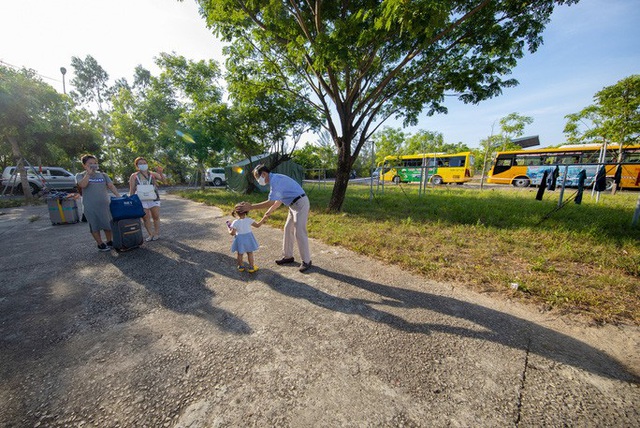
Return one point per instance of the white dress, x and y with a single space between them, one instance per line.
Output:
244 241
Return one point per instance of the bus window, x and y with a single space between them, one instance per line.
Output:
611 157
593 157
533 161
632 156
411 162
590 157
568 159
504 161
456 161
550 160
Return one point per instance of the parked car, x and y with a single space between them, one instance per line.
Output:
215 176
51 177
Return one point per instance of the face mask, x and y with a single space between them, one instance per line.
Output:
261 181
143 167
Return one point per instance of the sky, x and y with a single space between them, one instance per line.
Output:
587 46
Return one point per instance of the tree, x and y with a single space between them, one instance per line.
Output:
205 118
32 118
175 118
360 63
90 82
431 142
278 117
511 126
614 117
307 156
388 142
94 94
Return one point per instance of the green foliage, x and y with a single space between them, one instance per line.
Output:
176 119
389 142
11 203
29 108
34 116
307 156
359 63
614 117
271 114
90 81
511 126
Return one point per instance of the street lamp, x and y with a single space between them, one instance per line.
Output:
64 87
64 90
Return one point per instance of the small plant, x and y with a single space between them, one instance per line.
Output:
11 203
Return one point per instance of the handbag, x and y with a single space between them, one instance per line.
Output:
146 192
126 207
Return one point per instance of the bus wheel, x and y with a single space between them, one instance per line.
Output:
396 179
609 182
436 180
521 182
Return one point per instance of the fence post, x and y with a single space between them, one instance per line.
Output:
564 183
636 215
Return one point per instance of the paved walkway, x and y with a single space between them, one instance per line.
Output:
172 335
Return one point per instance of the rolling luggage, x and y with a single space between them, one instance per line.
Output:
127 234
63 211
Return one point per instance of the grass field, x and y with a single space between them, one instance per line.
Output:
581 259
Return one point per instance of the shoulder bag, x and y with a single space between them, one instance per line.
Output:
146 192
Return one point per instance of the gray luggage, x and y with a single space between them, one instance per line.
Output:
63 211
127 234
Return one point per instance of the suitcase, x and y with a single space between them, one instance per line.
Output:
63 211
127 234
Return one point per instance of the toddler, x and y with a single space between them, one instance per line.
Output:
244 241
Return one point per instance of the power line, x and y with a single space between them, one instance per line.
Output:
15 67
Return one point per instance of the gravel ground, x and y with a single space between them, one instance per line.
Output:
172 335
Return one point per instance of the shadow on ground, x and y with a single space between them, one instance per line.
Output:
499 327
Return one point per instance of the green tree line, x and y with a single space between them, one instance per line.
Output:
334 68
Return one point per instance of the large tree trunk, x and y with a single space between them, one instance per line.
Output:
203 172
342 178
26 189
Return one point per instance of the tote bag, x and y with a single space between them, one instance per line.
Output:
146 192
126 207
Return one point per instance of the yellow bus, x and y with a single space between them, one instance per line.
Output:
437 168
522 168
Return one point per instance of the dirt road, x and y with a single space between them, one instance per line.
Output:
172 335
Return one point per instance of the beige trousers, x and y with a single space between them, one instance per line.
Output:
296 229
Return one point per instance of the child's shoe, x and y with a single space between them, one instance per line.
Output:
252 269
241 268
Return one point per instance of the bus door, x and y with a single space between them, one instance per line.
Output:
503 163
